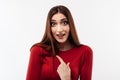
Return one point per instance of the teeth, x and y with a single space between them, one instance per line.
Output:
63 34
60 34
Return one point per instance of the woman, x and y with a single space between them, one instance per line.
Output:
60 56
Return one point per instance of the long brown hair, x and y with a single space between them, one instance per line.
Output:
48 42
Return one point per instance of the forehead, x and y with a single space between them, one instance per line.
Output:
58 16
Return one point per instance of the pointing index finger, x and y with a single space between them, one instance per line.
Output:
60 59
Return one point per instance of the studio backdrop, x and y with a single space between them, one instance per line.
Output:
22 23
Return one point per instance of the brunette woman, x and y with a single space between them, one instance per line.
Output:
60 55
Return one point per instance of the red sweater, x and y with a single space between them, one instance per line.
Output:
43 67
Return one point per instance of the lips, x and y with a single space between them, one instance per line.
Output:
60 35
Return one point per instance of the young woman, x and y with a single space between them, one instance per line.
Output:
60 56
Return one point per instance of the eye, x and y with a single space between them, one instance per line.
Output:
52 24
64 23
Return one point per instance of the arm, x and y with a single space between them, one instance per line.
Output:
86 69
34 66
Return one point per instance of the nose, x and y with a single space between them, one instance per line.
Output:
59 28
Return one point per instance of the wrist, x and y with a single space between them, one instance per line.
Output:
66 79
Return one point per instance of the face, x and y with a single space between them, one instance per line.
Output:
60 28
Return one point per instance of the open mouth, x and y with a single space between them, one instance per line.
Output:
60 35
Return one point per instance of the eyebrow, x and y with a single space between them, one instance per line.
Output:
64 19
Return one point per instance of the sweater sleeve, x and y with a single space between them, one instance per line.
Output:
86 69
34 66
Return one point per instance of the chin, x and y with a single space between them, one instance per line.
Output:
61 41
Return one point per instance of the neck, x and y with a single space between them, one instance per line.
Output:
65 46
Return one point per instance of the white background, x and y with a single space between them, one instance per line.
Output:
22 23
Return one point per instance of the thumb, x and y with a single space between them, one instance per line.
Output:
68 63
68 66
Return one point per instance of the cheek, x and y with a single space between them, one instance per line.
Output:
53 30
68 29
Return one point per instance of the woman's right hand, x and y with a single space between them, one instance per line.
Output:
64 70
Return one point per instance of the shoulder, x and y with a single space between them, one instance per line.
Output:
85 49
38 50
88 50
